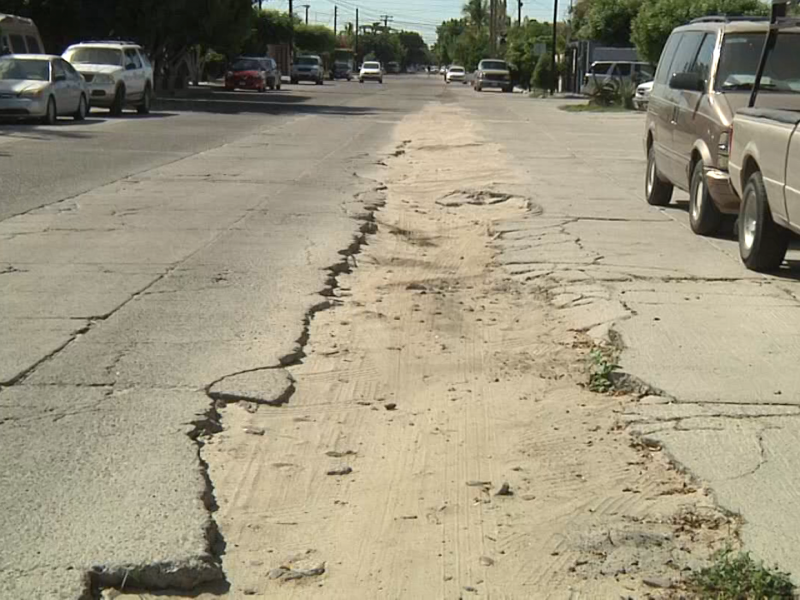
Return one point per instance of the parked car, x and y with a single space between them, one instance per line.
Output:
642 95
765 158
392 67
493 73
118 74
612 73
457 74
705 75
19 35
308 68
253 73
371 71
442 70
41 86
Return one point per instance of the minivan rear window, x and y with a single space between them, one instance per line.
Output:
33 45
739 60
17 44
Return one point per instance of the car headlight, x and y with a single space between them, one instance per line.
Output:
103 79
36 93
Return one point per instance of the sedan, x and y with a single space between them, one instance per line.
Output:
40 86
246 74
456 74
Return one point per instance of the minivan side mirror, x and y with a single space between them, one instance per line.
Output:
689 82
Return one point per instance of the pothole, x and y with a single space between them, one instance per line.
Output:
459 198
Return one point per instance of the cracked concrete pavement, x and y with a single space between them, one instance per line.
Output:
129 309
712 346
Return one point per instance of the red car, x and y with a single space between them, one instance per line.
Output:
252 74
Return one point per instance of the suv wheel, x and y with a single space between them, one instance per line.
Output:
119 102
144 107
704 216
657 191
762 243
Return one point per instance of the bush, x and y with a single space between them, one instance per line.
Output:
542 77
657 19
734 576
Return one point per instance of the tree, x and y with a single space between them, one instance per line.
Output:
316 39
657 19
269 27
608 21
446 35
476 12
416 49
521 48
383 46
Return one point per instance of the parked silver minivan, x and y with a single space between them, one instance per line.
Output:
19 36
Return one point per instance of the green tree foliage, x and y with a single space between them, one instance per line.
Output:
477 13
269 27
543 74
521 47
658 18
416 50
607 21
446 35
315 39
383 46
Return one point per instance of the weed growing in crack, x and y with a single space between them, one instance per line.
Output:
734 576
603 367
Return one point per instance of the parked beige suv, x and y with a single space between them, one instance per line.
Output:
705 75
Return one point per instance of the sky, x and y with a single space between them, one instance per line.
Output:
413 15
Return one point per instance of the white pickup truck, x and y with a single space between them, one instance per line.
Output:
764 160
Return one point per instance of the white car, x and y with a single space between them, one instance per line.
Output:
456 74
371 70
118 74
642 96
41 86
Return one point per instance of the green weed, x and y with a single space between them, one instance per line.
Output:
601 371
736 576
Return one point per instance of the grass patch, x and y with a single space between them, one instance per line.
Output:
593 108
736 576
601 371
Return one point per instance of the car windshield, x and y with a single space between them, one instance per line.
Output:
457 69
739 60
307 60
96 56
493 65
372 65
246 65
24 70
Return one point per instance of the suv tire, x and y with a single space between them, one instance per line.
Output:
144 107
704 216
762 243
119 101
657 191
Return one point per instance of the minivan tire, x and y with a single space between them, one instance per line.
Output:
704 216
657 191
762 243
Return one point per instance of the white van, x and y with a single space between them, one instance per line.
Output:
19 35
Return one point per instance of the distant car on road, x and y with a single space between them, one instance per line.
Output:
41 86
612 73
371 71
308 68
456 74
493 73
118 74
342 69
442 70
642 95
253 73
392 67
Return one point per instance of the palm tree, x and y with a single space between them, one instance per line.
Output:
477 12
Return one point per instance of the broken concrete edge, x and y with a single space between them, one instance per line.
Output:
224 388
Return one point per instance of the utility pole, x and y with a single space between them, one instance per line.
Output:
519 12
492 23
356 36
554 84
306 6
386 19
335 20
291 30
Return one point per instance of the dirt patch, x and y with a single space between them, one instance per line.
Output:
476 461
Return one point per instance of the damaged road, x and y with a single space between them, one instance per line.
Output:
133 313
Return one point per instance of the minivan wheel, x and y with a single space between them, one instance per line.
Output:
762 243
657 191
704 216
